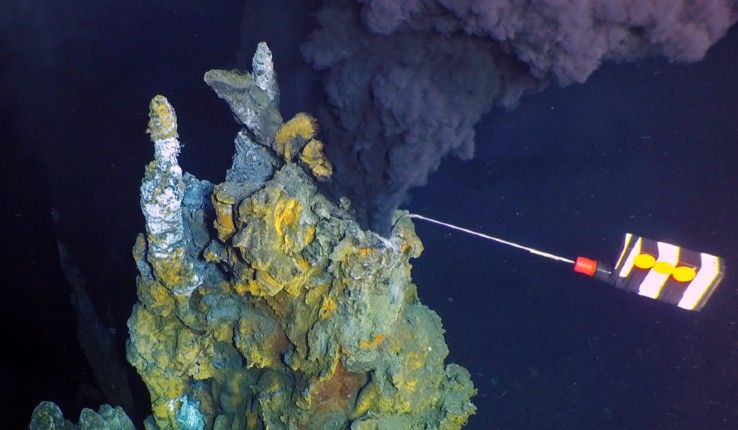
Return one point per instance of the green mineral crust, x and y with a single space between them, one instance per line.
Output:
264 305
48 416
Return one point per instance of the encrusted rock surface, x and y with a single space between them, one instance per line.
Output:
48 416
263 305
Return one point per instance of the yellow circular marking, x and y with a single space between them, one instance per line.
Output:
684 273
644 261
663 267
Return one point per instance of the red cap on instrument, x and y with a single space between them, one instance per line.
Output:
585 265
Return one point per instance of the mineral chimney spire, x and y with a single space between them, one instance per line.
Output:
263 72
162 192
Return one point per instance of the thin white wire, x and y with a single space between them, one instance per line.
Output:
495 239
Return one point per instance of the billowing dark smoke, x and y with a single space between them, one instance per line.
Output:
407 80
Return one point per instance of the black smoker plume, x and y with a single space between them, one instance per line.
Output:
407 80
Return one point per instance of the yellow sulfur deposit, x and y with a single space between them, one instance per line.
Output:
314 157
301 126
223 204
162 119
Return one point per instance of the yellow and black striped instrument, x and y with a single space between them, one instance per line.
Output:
661 271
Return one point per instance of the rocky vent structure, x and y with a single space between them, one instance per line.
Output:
263 305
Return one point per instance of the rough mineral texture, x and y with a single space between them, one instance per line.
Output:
48 416
273 308
298 319
263 305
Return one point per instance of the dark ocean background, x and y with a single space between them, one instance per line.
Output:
649 148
